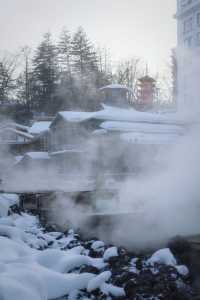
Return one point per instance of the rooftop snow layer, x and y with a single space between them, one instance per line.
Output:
149 138
141 127
40 127
110 113
116 86
75 116
18 132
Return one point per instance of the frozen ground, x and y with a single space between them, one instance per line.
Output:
41 264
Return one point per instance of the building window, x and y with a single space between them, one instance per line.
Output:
187 25
198 39
198 18
188 42
185 2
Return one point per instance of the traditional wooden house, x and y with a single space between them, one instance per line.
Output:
70 130
114 139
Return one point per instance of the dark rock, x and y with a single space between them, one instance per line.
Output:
131 289
179 245
89 269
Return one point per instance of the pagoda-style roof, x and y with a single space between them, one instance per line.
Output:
116 86
147 78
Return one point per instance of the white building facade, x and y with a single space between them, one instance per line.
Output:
188 53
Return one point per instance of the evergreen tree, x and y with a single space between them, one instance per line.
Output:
64 51
45 70
84 58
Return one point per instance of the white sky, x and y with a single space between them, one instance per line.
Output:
128 28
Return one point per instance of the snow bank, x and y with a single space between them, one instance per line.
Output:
51 284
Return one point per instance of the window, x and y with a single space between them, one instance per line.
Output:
185 2
198 18
198 39
187 25
188 42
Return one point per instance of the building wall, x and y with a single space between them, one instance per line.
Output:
188 53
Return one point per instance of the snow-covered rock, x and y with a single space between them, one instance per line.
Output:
163 256
6 201
182 270
98 246
110 252
97 282
39 265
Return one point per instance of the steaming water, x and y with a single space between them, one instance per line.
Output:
161 202
151 207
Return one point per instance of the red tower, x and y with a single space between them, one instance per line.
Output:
146 88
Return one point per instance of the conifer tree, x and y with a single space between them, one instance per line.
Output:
64 51
84 58
45 70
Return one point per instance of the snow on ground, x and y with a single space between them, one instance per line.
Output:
37 264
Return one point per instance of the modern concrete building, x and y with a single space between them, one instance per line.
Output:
188 53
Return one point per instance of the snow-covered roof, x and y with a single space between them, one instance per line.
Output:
142 127
111 113
39 127
18 158
75 116
37 155
149 138
116 86
14 126
67 151
19 132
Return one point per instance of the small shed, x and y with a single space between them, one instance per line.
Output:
117 95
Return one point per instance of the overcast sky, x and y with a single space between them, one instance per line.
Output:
128 28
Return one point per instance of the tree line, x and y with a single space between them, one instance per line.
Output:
62 76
